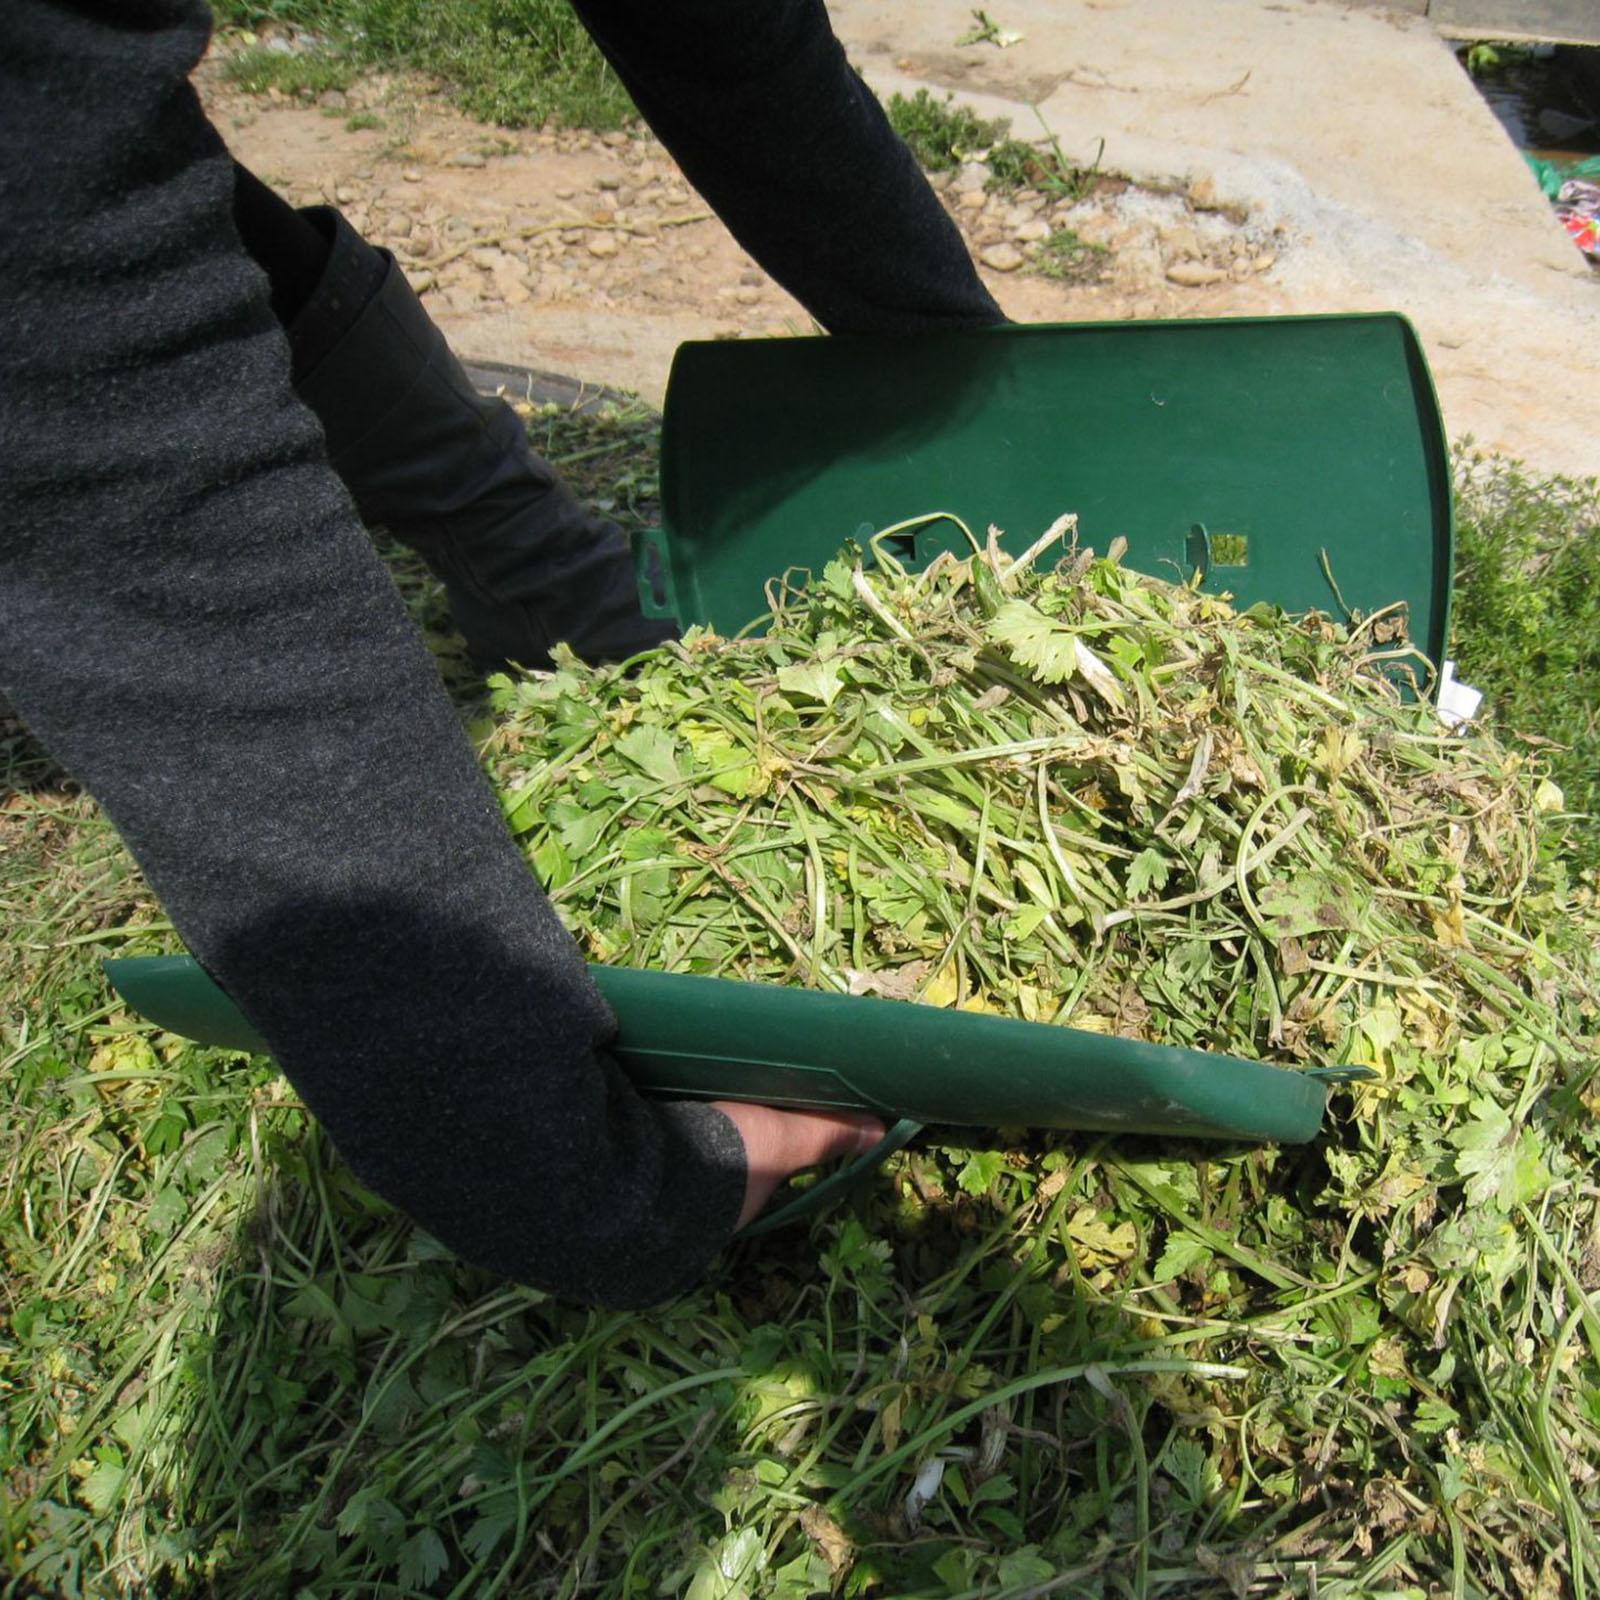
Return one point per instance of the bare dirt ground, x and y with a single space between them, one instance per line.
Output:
1287 157
590 254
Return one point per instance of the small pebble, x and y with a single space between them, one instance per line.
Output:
411 175
1194 274
746 295
972 200
1002 257
469 158
972 175
608 182
1264 262
603 244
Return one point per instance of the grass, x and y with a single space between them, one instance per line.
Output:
517 63
258 69
1015 164
940 133
1065 256
1031 1366
1527 617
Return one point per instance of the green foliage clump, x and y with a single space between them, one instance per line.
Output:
1527 617
512 62
940 133
304 74
1067 257
1015 164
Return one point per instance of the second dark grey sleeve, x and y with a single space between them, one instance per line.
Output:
193 620
759 106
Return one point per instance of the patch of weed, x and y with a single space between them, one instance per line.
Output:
303 74
1527 616
1067 257
1015 164
940 133
362 121
515 62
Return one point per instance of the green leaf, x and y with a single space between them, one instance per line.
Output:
1181 1252
1499 1171
1434 1417
1053 654
813 680
1188 1465
519 807
421 1560
1001 1487
1307 903
205 1154
378 1523
102 1489
580 828
497 1516
646 844
551 863
652 750
167 1210
1034 641
982 1167
1023 1567
720 762
954 1568
1148 871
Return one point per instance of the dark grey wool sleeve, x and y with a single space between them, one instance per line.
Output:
761 109
192 619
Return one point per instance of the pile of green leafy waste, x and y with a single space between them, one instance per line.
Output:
1066 793
1019 1363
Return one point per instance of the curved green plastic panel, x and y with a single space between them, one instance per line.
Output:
713 1038
1246 447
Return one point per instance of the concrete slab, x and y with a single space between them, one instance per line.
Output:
1353 129
1518 21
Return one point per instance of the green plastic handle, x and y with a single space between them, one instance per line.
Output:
713 1038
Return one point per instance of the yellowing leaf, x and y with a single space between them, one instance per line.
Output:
944 988
1450 928
1338 749
1098 1243
1093 1022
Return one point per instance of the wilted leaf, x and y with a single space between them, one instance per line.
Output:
814 680
652 750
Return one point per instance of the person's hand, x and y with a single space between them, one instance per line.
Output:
777 1143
